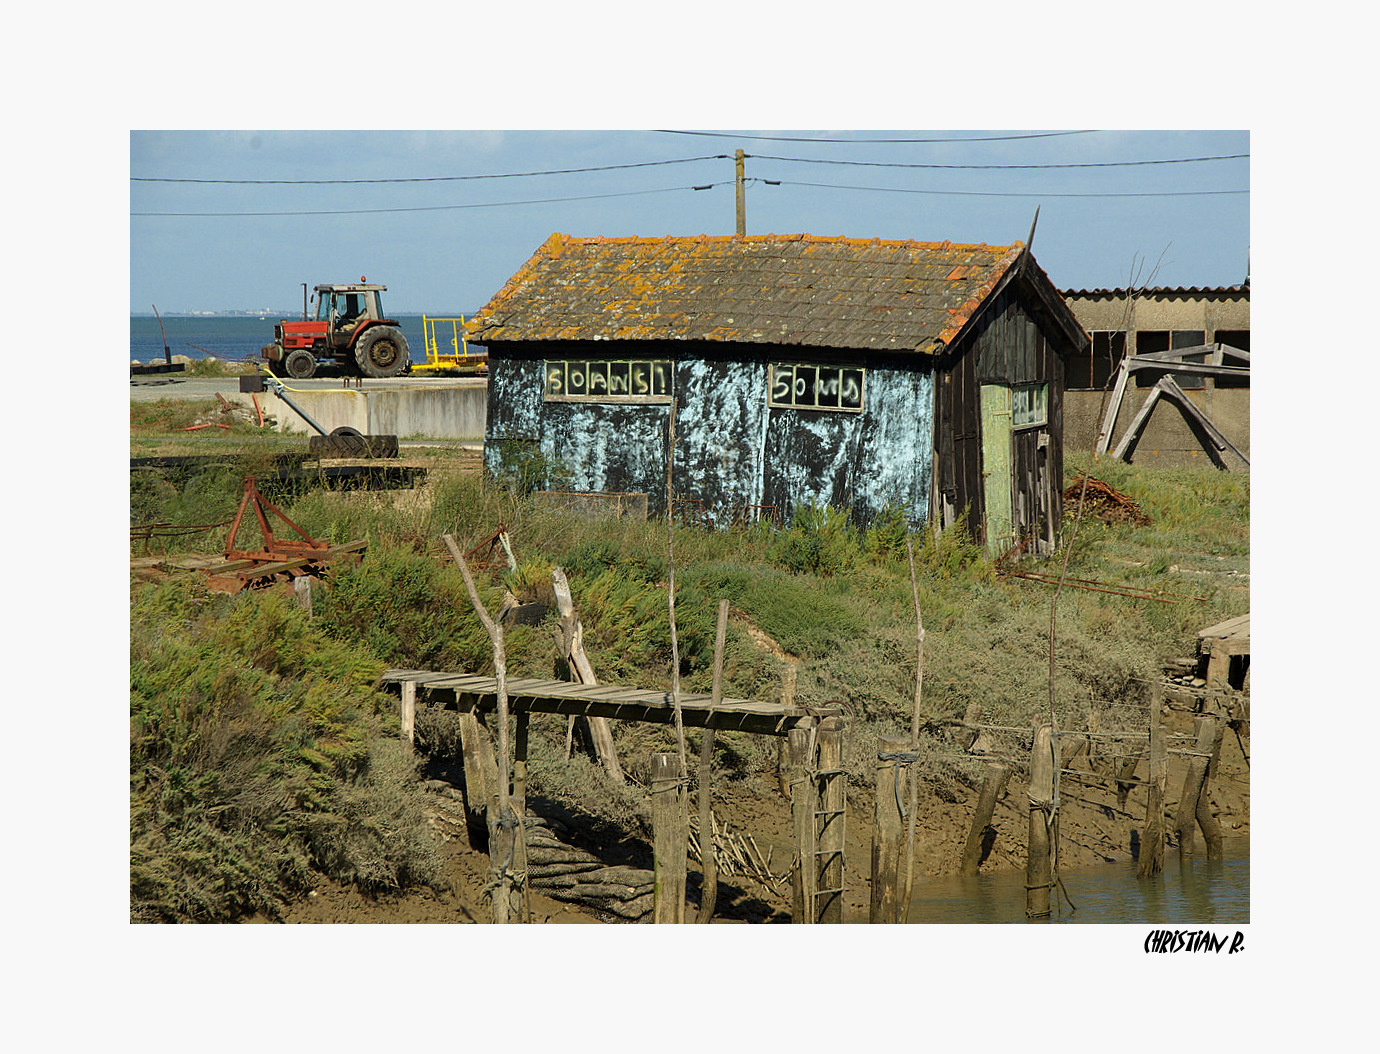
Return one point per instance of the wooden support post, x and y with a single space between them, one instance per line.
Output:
993 783
522 720
301 591
1194 810
803 819
572 644
788 681
1125 780
886 833
481 775
1104 434
669 832
832 808
409 715
521 909
709 865
1152 839
1039 873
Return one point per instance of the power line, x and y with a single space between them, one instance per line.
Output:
1022 194
433 208
807 139
428 179
1077 164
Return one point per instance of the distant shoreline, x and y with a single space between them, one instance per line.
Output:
279 314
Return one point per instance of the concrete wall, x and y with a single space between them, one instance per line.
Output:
428 411
1167 439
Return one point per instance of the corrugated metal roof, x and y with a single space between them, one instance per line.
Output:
761 289
1161 291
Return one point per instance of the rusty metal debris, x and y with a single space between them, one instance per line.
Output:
149 531
278 559
497 552
1114 588
752 514
1106 502
1004 569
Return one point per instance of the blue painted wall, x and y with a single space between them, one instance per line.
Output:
731 448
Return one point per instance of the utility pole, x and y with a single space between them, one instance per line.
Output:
742 204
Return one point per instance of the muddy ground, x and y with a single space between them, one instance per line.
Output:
1095 829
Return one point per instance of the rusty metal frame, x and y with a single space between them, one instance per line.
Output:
491 562
274 549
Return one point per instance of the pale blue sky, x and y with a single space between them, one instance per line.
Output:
444 244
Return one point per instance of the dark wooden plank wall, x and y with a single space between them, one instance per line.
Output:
1008 347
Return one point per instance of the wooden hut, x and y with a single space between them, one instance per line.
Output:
868 375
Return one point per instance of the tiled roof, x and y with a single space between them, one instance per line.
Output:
761 289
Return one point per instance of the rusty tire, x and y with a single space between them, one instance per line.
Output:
381 352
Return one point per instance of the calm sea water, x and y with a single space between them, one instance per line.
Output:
1201 892
238 336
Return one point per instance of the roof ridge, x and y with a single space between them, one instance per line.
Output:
818 239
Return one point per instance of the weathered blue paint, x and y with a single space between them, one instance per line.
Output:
865 462
731 448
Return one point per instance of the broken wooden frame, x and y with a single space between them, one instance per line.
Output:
1166 387
820 789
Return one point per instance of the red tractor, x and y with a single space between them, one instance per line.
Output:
349 330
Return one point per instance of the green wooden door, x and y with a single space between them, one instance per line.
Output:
996 466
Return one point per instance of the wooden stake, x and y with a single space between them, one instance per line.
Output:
503 850
1039 874
671 586
803 820
1152 839
913 789
789 674
409 714
1193 805
709 892
886 834
994 781
669 832
481 775
572 637
301 591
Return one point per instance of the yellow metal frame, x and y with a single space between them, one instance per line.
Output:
458 356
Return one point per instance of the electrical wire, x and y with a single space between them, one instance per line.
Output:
428 179
437 208
1017 194
807 139
1071 164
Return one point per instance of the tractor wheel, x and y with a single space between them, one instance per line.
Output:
300 364
381 352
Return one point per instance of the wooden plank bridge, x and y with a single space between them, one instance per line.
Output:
469 692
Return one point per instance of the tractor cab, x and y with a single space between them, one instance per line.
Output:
344 306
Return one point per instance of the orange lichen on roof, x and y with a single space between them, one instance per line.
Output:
828 291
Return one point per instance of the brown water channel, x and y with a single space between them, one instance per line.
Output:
1199 891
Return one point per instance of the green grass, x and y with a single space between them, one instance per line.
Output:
259 753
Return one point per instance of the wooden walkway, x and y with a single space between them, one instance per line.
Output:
470 692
